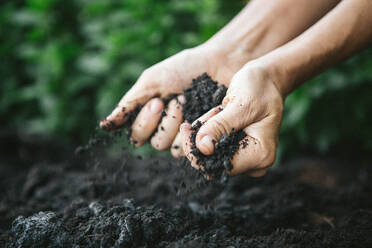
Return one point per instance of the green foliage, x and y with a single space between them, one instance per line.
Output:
331 111
65 64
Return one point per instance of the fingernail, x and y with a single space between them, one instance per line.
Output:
156 106
206 143
183 126
181 99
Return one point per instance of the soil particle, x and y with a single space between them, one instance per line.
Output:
131 117
39 230
105 201
218 164
203 95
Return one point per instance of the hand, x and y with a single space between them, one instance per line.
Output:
252 103
162 80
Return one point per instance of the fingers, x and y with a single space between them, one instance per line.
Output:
186 131
136 97
209 114
176 148
147 121
220 122
169 125
258 150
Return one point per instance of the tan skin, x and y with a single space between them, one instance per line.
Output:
248 36
255 56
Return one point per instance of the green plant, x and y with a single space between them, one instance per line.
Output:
65 64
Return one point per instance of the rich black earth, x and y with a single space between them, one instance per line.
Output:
217 165
203 95
50 198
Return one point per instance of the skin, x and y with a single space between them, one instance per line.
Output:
258 29
257 91
258 57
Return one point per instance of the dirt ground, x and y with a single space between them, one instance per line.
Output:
52 198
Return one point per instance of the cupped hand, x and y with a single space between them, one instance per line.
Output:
252 103
163 80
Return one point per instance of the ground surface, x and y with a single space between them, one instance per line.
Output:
53 198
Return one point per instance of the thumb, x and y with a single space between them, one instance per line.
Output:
137 96
224 122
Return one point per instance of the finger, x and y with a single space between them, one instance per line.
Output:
136 97
176 148
147 121
212 112
169 125
225 122
186 131
257 150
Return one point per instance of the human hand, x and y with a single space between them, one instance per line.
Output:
252 103
163 80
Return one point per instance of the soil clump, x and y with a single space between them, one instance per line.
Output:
52 199
203 95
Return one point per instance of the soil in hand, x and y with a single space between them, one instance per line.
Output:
217 165
203 95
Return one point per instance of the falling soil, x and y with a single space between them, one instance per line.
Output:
203 95
50 198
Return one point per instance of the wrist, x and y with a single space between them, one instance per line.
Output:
272 72
226 57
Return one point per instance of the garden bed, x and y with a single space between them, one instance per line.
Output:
50 197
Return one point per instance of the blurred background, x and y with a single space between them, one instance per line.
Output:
65 64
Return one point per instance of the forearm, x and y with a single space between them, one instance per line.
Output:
342 32
265 25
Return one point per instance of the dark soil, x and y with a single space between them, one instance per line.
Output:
50 198
217 165
203 95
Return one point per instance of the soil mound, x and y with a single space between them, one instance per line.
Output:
100 201
51 198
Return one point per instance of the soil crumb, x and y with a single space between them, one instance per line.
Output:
203 95
217 165
50 198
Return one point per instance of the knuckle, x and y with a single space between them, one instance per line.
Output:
220 126
186 51
145 74
225 101
173 106
146 79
